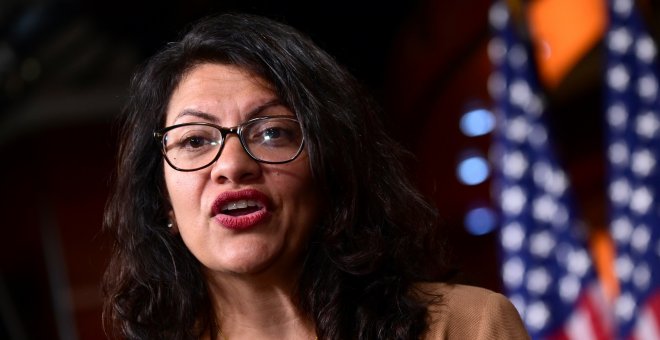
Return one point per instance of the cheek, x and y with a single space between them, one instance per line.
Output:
300 192
184 191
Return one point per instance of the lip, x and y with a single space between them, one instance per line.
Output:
242 222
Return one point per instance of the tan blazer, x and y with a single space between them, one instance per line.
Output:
471 313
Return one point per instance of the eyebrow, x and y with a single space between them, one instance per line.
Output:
213 119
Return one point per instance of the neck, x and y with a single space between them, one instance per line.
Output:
257 308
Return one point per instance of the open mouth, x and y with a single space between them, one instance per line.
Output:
240 208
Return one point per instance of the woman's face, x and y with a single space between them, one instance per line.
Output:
268 235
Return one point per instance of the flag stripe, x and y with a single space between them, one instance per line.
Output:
598 310
647 326
579 326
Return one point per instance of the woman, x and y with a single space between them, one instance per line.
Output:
272 204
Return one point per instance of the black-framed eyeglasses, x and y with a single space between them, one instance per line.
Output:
194 146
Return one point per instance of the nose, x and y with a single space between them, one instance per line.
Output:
234 164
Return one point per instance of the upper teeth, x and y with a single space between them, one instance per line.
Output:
240 205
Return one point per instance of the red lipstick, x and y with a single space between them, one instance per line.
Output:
240 210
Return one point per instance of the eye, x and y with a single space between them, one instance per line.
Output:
194 142
274 132
193 138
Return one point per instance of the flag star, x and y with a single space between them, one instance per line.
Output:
519 93
618 77
518 129
569 288
620 40
623 266
513 236
558 183
513 200
544 208
537 315
514 165
552 180
625 307
645 48
518 302
538 280
517 56
622 8
620 191
513 272
617 116
578 262
538 135
496 84
640 239
642 276
562 253
560 221
534 107
641 200
647 124
647 87
496 50
542 243
643 162
622 230
498 16
541 172
618 153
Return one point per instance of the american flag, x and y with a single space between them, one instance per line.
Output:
633 125
546 267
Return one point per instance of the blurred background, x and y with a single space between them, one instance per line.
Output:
65 66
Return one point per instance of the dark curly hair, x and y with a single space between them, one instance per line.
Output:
376 237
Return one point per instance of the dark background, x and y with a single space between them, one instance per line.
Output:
64 68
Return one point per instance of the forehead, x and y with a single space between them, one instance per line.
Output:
218 89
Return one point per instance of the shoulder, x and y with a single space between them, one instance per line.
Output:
466 312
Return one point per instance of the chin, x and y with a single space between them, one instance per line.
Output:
246 262
247 267
265 269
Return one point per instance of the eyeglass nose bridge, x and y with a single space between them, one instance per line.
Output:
224 134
